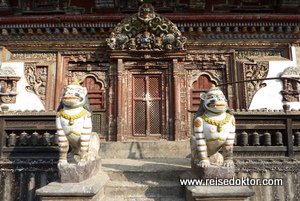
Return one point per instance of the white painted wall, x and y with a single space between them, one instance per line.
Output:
25 100
270 97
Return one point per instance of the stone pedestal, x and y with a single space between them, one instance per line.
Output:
74 173
218 193
212 171
91 189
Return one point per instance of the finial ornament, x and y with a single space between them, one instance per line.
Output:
213 86
75 81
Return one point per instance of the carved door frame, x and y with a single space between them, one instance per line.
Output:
131 112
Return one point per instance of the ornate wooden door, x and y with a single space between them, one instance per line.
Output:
147 105
201 85
96 95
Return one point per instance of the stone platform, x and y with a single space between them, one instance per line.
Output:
215 192
91 189
213 171
218 193
74 173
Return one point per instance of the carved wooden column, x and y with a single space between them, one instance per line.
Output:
112 97
120 100
62 66
179 99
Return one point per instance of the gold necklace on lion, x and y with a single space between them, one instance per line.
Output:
219 124
71 118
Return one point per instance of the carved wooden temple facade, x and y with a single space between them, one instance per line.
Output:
145 64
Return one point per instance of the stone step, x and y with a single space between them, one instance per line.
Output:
145 176
144 179
148 189
146 199
145 169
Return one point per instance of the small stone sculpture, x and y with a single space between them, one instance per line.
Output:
74 126
214 129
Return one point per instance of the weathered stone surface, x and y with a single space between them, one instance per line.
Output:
212 171
74 173
91 189
140 150
144 179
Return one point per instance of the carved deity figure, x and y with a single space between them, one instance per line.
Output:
74 126
146 12
145 41
214 129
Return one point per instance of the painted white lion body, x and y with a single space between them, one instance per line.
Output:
213 130
74 126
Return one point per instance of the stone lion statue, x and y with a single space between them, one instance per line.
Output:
74 126
214 129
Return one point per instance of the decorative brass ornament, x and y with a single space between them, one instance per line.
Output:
219 124
197 123
71 118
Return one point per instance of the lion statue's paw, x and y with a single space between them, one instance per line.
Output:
82 162
62 162
204 163
228 163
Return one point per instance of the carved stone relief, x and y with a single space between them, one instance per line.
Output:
291 88
8 85
146 30
36 77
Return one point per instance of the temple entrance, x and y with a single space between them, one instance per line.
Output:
147 105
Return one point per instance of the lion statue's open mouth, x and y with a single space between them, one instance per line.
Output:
71 98
221 105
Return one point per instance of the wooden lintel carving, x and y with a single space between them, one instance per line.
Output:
206 60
